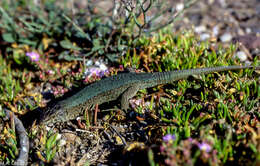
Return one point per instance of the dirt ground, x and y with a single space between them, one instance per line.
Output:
226 21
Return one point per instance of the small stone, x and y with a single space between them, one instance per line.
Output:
89 63
248 30
241 55
200 29
62 142
72 138
58 136
211 2
215 31
240 32
179 7
97 63
204 36
226 37
103 66
223 3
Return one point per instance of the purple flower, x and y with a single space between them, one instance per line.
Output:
204 147
190 139
169 137
95 71
134 103
51 72
33 56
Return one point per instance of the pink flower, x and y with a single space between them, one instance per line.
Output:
51 72
33 56
204 147
169 137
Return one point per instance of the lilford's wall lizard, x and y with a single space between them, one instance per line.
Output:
123 87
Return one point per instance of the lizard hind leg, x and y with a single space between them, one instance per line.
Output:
128 94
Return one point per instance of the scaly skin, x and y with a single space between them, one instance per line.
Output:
122 86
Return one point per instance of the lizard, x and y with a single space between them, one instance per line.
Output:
123 86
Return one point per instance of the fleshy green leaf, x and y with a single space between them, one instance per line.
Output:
8 37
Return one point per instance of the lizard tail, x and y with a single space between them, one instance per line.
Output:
171 76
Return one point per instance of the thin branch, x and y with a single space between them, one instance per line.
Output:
175 17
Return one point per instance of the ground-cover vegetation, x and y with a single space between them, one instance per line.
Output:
47 51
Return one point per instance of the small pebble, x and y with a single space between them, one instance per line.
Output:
62 142
103 67
223 3
241 55
215 31
204 36
226 37
47 128
240 32
83 151
89 63
211 2
97 63
179 7
71 138
248 30
58 136
200 29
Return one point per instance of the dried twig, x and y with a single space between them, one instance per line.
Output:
137 8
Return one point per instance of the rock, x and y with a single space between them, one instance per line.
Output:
226 37
215 30
179 7
250 41
241 56
72 138
204 36
200 29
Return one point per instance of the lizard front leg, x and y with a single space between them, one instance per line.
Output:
128 94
